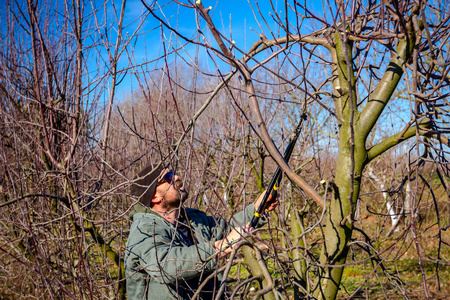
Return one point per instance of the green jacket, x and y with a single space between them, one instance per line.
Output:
158 262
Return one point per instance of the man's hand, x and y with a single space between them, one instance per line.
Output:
226 245
270 204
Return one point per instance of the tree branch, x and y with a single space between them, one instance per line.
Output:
384 90
398 138
272 149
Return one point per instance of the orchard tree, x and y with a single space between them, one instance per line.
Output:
59 216
373 57
371 76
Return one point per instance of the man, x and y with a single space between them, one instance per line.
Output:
172 249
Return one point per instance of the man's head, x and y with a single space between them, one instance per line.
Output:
159 188
169 193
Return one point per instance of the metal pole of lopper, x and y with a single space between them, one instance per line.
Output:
276 180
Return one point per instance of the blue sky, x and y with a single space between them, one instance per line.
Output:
240 12
235 19
237 15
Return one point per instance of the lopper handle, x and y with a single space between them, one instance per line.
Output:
276 179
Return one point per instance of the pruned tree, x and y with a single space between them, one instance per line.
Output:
368 50
58 61
373 77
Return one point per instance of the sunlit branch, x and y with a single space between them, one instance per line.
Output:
397 139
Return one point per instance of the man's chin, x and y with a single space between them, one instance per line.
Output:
184 196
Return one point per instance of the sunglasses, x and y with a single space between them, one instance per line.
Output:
168 177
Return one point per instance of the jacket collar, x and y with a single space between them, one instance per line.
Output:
141 208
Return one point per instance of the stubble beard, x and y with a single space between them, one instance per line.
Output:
183 195
175 203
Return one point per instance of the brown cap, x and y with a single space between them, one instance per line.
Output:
144 184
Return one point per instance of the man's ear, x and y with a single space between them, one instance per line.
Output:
155 200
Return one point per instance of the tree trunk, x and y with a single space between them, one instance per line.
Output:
251 261
299 264
351 158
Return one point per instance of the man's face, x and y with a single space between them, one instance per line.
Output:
171 190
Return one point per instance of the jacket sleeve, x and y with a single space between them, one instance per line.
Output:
240 219
245 216
165 261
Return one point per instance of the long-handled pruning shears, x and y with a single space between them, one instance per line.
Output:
276 180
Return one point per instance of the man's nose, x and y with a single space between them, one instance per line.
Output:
178 182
